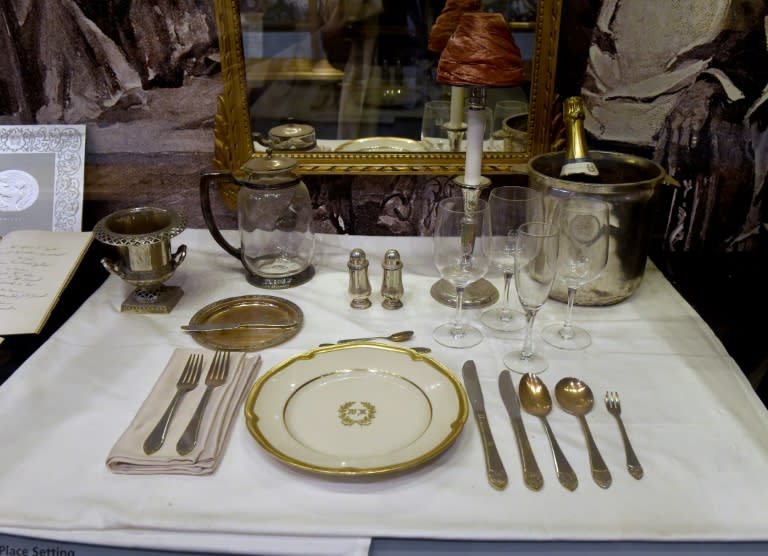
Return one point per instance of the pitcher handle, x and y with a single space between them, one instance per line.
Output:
205 202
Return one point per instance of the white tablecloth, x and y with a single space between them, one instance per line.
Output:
699 430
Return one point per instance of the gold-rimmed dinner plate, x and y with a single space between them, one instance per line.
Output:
363 409
383 144
245 309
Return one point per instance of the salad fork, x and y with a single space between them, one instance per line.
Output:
187 381
217 375
613 405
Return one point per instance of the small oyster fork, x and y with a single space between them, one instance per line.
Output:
187 381
613 405
217 375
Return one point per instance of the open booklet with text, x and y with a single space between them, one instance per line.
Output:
35 267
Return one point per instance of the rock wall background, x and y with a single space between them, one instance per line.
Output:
143 75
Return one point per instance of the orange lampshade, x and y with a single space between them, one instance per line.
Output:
481 52
448 20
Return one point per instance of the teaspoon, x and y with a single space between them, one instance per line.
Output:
576 398
417 349
403 336
535 399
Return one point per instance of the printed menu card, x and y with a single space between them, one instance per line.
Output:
35 267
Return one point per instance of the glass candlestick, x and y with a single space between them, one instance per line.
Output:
481 293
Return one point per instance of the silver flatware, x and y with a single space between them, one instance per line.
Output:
217 376
403 336
205 327
187 382
535 399
497 475
417 349
575 397
531 473
613 404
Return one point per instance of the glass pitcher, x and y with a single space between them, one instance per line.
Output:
274 216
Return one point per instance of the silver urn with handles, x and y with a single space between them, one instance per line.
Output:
141 238
274 215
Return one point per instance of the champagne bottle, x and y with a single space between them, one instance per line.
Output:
577 165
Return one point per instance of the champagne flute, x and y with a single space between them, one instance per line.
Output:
510 207
460 252
582 257
535 268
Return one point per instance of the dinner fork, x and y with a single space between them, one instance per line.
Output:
187 381
217 375
613 405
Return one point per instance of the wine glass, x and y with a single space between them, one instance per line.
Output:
433 131
510 207
582 257
460 252
535 268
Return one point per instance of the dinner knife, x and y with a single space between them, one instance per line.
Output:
531 472
213 327
497 475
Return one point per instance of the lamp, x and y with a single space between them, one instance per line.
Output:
480 53
441 32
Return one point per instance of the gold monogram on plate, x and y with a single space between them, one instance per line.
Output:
357 413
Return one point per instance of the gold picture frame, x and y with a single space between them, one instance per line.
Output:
234 138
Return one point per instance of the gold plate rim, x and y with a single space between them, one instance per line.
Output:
400 144
217 307
456 425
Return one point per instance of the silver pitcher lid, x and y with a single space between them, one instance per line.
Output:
269 172
291 130
291 136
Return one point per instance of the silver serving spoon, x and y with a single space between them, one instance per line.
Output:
576 398
535 399
403 336
417 349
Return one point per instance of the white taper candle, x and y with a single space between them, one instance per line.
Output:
457 106
474 157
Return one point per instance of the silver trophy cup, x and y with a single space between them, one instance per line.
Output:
142 239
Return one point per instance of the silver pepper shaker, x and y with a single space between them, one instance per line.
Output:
392 282
359 285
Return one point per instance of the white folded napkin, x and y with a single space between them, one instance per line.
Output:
127 455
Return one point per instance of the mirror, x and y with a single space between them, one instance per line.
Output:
283 64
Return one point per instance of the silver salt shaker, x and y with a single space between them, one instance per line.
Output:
392 282
359 285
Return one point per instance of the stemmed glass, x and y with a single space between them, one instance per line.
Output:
583 256
460 252
535 268
433 131
510 207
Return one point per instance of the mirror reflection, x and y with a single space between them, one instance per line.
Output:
357 75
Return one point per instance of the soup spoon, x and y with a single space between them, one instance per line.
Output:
535 399
576 398
403 336
417 349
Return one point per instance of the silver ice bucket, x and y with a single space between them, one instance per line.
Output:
630 186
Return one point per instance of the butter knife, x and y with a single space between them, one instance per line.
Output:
212 327
497 476
531 472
